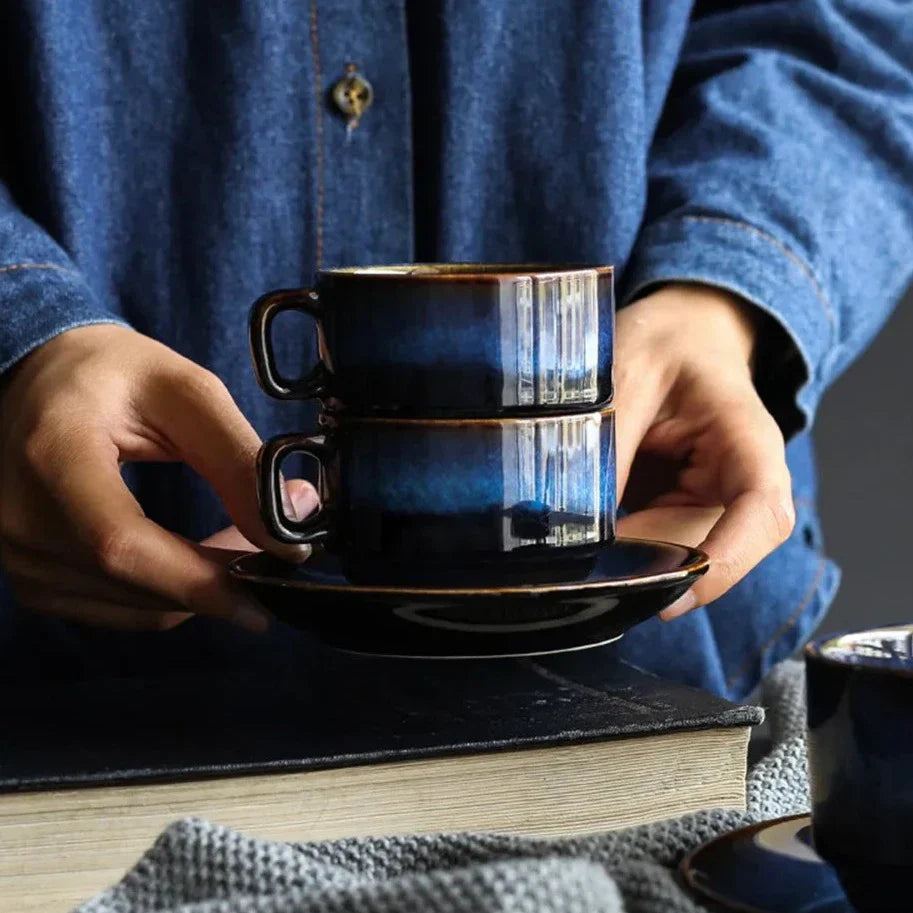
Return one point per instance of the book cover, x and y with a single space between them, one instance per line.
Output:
311 708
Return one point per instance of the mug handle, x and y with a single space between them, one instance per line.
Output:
262 315
312 528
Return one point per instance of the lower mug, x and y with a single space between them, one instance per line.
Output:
860 759
450 489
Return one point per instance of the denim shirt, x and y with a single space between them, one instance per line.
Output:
165 163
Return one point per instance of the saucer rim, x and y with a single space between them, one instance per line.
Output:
463 657
687 872
697 564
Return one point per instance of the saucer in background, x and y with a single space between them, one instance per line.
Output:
766 868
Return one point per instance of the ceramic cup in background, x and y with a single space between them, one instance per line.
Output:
449 339
860 747
406 490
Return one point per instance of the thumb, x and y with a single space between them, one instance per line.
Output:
638 399
641 384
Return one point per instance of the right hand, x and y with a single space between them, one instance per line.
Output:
74 542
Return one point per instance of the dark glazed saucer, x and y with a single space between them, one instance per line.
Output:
518 609
765 868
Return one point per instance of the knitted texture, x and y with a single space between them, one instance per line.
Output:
198 867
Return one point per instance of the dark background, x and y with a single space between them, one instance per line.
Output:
864 436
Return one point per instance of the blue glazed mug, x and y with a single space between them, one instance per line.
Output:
449 339
860 748
403 489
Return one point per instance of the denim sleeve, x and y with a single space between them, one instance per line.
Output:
781 170
42 293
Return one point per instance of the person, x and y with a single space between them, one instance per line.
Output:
744 165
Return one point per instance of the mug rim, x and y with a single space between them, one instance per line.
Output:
464 271
603 413
814 651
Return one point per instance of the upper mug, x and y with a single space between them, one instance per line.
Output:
449 339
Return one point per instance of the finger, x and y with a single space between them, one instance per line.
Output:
229 543
758 518
28 570
639 394
753 456
100 613
749 530
684 525
303 496
123 543
633 417
229 538
207 429
29 517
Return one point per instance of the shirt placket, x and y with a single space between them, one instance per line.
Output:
363 134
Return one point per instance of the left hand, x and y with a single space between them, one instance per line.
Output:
700 459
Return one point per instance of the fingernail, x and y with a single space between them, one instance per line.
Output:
303 501
289 507
684 604
250 617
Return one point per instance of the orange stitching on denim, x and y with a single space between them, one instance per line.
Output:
829 313
17 266
318 129
789 623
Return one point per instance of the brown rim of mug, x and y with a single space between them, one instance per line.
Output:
465 272
342 417
696 563
686 866
813 651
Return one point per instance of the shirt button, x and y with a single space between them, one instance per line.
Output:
353 95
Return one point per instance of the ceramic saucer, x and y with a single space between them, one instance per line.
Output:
526 607
766 868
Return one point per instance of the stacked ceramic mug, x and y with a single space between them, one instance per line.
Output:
467 417
467 466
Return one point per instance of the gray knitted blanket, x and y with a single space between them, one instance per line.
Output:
198 867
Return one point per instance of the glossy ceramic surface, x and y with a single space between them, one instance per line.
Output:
860 746
588 597
429 339
404 489
765 868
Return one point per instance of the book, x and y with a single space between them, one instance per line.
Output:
93 768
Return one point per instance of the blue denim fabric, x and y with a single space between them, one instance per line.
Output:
163 164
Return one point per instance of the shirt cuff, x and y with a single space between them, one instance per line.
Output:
761 269
40 300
